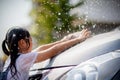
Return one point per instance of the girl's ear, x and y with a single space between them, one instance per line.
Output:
22 44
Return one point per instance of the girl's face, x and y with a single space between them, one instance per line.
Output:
30 46
25 47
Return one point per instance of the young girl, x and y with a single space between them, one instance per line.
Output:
18 46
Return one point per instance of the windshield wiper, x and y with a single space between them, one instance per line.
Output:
54 67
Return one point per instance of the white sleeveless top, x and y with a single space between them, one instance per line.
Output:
23 64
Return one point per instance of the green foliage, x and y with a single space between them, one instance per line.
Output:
51 19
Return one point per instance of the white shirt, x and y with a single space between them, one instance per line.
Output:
23 64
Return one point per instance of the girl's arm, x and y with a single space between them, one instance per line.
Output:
46 46
54 50
66 38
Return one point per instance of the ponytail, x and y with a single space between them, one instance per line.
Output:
5 48
13 54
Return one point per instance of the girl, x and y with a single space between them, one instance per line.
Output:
18 46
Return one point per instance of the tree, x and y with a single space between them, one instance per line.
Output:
52 19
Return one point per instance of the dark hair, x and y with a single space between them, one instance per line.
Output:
10 45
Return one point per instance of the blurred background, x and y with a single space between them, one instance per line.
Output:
50 20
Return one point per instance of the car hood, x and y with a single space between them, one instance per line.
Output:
92 47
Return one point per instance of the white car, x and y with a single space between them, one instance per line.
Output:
97 58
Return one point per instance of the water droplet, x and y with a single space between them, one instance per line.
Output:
58 19
79 26
14 44
60 28
86 18
59 13
83 26
14 35
79 18
94 25
68 31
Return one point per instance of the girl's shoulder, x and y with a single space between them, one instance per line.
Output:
26 60
28 54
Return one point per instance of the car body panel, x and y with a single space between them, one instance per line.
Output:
94 46
101 67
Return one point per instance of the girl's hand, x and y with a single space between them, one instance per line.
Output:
84 34
77 34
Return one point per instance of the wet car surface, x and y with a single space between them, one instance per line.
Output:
99 49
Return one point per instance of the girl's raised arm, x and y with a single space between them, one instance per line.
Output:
56 49
66 38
